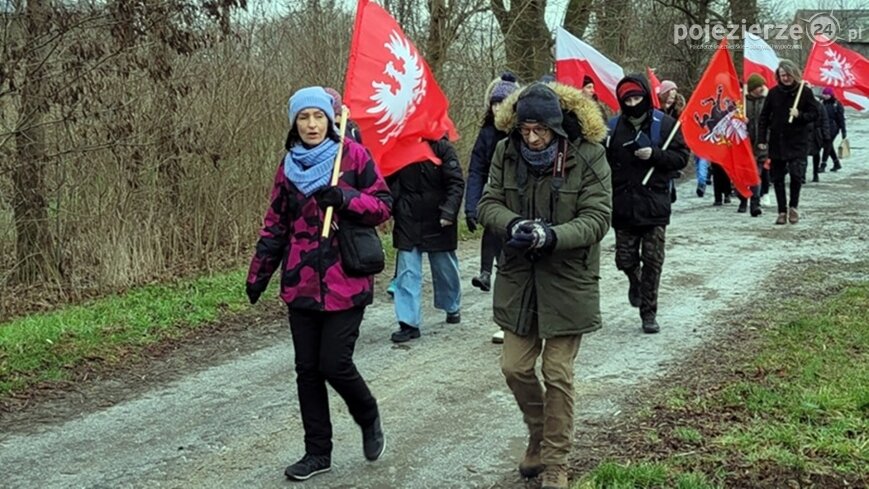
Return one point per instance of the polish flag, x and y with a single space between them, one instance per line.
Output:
574 59
759 58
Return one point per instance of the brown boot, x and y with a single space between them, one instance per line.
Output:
793 215
531 466
782 218
555 477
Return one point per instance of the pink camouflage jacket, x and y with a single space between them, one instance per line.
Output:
313 278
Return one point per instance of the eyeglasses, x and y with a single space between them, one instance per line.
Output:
539 131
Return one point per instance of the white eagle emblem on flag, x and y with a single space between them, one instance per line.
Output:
394 107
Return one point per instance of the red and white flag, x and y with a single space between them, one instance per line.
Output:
714 123
852 99
831 65
575 59
391 92
759 57
654 85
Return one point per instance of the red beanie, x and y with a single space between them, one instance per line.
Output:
629 89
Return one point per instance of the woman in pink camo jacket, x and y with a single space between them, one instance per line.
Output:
325 305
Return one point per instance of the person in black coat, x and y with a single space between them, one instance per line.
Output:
787 141
641 212
426 202
478 175
835 122
820 134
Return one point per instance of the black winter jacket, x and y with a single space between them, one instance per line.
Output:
478 169
423 194
787 140
635 204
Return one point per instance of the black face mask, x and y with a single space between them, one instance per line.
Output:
637 110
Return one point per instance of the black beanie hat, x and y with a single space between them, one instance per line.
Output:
586 80
539 103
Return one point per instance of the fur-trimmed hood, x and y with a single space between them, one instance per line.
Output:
591 122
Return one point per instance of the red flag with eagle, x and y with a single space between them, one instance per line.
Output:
831 65
391 92
714 123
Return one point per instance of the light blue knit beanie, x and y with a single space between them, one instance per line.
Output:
310 98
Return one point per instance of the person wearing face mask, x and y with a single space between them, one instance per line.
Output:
478 175
641 211
549 196
785 132
325 304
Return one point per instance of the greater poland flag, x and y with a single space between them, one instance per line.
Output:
574 59
759 58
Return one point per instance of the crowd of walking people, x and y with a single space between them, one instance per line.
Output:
550 172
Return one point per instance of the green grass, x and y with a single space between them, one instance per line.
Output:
805 412
44 347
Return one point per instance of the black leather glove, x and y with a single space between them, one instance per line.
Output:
471 221
254 291
330 197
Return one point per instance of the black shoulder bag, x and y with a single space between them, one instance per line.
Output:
361 249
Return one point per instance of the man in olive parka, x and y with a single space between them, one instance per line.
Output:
549 194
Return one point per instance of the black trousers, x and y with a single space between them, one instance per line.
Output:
829 151
642 246
796 168
490 248
324 344
720 182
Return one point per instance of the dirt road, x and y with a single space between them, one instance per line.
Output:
233 422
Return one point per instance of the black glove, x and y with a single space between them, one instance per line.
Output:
330 197
253 292
471 221
519 234
535 235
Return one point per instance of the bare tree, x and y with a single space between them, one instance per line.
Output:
527 39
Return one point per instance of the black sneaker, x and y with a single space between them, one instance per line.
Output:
454 317
650 326
373 441
483 281
743 207
726 199
405 333
756 210
717 203
308 467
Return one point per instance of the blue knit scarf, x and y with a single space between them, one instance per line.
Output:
540 159
310 168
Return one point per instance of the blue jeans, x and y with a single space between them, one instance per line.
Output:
702 172
408 284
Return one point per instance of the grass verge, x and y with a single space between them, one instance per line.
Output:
792 412
50 346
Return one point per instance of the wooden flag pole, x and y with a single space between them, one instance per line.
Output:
336 169
797 100
663 148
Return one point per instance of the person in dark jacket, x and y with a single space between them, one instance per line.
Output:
325 304
835 122
820 133
787 140
641 212
754 100
478 175
427 198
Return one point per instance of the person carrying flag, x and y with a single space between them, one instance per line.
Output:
784 131
641 210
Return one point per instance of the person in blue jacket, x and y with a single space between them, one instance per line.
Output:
478 175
